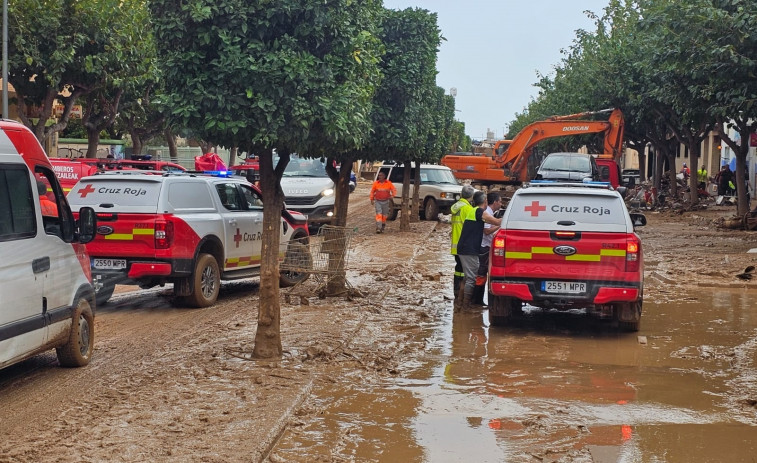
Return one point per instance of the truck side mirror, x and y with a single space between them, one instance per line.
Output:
638 220
87 225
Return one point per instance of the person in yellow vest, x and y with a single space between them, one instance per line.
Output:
457 210
469 245
381 196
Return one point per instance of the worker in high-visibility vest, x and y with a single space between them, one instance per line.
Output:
458 210
381 196
469 245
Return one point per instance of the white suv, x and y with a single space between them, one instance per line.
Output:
439 189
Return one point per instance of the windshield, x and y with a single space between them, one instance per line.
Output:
566 163
299 167
437 176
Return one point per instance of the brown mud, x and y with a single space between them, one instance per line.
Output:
396 376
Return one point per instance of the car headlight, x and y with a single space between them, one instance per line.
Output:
327 192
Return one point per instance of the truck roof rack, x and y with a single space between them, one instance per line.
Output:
585 184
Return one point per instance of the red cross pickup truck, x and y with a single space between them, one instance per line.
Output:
566 246
187 229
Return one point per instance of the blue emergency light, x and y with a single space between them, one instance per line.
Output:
218 173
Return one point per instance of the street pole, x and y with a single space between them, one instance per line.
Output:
5 59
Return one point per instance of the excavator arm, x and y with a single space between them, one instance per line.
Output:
514 159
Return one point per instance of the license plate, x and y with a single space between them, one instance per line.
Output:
109 264
563 287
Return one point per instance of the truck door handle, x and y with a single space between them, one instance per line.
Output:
566 223
41 265
232 221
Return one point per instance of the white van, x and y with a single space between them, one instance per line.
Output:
308 189
46 295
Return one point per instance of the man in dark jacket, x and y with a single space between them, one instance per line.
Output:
469 245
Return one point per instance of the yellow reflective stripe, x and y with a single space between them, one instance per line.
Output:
517 255
144 231
540 250
584 257
613 252
119 236
574 257
130 236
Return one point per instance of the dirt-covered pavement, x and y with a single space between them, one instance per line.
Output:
168 384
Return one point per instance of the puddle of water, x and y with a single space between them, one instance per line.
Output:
558 387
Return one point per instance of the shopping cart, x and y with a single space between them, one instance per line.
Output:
324 259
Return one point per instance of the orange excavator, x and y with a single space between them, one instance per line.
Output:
509 162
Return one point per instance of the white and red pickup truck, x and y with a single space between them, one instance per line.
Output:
564 246
192 230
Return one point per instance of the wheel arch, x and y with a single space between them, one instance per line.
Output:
210 245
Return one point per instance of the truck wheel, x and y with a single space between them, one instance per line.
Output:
628 315
104 294
297 257
502 309
431 210
207 282
393 212
81 339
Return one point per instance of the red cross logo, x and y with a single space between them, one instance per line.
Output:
237 237
535 208
83 192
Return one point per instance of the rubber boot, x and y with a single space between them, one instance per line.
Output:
456 284
478 295
460 295
383 226
467 301
378 227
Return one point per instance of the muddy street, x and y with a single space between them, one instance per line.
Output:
398 376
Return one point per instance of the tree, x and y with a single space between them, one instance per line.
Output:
65 50
411 38
292 75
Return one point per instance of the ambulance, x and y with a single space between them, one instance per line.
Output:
47 300
568 246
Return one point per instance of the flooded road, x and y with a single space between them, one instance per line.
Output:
554 387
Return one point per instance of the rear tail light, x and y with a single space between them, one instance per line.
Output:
163 234
633 254
498 250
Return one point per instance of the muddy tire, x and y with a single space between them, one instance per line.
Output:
431 210
628 323
104 294
503 309
81 339
297 256
206 281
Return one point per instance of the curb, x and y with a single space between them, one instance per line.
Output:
277 431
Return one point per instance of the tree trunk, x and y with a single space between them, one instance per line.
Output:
405 211
740 150
415 214
173 152
695 149
233 155
136 144
93 140
268 333
337 274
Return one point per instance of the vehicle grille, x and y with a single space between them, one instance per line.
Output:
302 200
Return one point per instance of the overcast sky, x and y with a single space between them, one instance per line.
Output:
494 48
